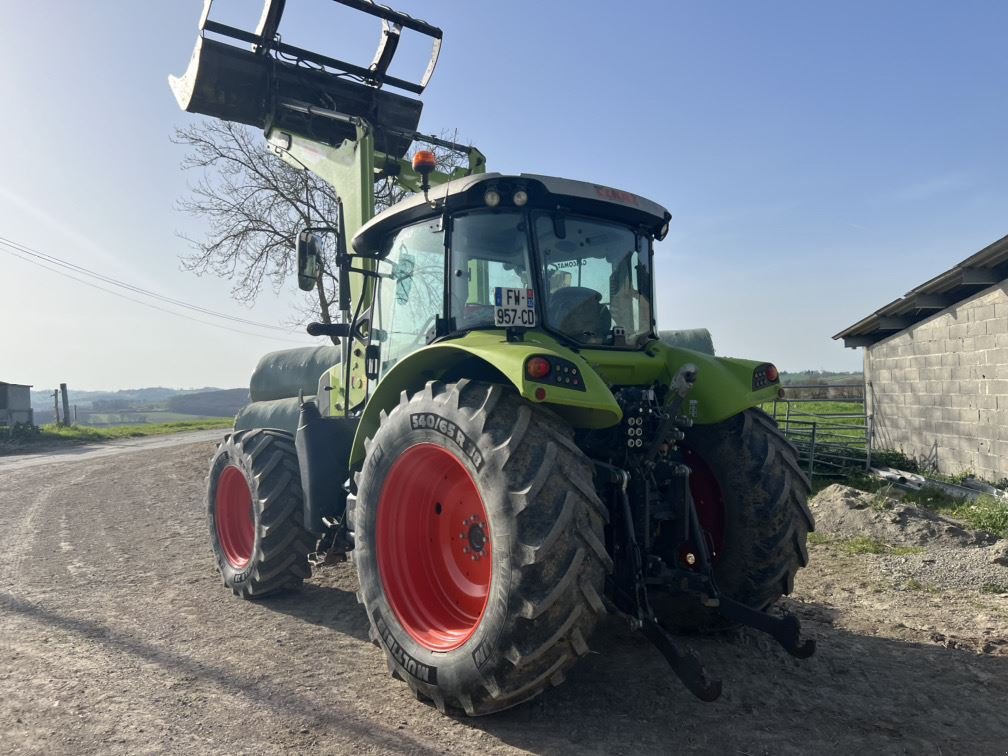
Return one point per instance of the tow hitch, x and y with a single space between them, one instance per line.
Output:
686 663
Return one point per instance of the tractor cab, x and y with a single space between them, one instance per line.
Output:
494 252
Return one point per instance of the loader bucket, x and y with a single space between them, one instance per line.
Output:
273 84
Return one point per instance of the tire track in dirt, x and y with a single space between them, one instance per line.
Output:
19 537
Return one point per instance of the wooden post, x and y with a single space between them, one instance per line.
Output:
66 404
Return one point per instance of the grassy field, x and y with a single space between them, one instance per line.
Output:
839 412
77 434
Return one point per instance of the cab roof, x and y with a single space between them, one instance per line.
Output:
544 193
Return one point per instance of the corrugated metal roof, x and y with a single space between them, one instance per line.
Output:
977 272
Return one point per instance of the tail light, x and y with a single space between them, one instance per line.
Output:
537 368
765 375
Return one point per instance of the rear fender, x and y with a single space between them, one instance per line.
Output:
724 385
486 355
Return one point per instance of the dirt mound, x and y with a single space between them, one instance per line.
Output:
847 513
932 553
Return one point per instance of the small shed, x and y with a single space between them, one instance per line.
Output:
936 368
15 404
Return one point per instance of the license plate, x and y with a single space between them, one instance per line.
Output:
514 307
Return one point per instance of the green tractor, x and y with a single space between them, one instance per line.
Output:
502 443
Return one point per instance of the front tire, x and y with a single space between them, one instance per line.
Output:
255 514
751 497
479 546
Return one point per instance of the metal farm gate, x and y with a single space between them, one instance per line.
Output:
829 425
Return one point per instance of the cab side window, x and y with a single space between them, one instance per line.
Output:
413 297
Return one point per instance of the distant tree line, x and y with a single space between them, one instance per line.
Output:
224 403
826 386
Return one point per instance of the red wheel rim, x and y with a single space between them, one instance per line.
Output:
708 500
233 517
433 547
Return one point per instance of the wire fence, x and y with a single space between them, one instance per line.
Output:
828 424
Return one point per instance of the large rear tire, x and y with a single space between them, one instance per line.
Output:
479 546
751 496
254 510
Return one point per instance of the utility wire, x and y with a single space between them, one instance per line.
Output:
130 287
141 302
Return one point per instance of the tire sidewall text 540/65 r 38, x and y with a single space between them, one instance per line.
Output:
525 619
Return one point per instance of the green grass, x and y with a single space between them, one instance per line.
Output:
864 545
816 408
75 434
905 550
818 539
983 513
993 588
840 423
142 417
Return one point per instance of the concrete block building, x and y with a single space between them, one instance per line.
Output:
15 404
936 368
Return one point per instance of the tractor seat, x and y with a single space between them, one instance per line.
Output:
578 312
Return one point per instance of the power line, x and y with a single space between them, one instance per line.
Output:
52 260
141 302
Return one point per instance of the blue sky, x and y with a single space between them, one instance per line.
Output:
818 160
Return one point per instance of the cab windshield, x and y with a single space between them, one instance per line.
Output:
597 279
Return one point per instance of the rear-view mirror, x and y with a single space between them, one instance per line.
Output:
309 260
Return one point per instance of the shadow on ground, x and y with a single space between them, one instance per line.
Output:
855 691
327 606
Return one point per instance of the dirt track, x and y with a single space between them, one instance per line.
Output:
116 636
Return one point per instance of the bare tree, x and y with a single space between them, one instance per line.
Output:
255 204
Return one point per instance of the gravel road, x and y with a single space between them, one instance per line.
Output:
117 637
82 452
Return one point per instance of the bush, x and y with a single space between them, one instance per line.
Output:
19 432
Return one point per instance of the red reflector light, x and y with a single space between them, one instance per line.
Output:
540 393
772 373
537 367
